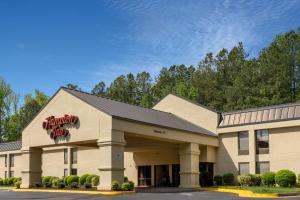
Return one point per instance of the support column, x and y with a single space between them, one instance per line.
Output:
32 167
111 153
153 175
189 165
170 174
252 152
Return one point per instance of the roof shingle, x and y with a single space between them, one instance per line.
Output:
137 113
10 146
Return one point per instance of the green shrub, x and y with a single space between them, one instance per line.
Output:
218 180
46 181
74 184
60 183
87 185
90 177
1 181
125 186
228 179
244 180
285 178
65 180
115 185
82 179
10 181
125 179
5 181
54 181
95 181
18 184
131 185
72 179
255 180
268 178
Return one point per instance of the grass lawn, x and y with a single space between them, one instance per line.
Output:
264 189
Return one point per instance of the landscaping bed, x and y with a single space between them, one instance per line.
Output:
265 189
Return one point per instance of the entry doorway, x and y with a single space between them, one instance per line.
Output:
175 175
206 174
162 178
144 175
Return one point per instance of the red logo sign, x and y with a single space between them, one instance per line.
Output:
57 125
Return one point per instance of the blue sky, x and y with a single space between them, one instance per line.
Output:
47 44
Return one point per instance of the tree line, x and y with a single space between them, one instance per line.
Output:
226 81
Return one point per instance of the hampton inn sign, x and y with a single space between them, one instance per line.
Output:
57 126
167 145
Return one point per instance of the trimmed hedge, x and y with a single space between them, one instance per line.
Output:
115 185
82 179
72 180
228 179
218 180
244 180
95 181
268 178
285 178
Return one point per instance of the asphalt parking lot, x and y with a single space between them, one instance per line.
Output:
199 195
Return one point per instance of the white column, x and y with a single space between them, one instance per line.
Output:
152 175
189 165
111 155
32 167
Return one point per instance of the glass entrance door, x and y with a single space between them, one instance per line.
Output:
175 175
162 178
144 175
206 174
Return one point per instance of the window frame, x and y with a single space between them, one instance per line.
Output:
257 166
240 163
12 160
66 156
240 151
74 159
66 172
260 150
73 170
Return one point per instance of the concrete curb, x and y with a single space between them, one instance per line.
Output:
75 191
242 193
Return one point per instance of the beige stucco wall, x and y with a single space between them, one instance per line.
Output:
2 165
91 122
189 111
284 150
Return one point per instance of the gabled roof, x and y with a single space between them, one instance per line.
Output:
261 115
10 146
136 113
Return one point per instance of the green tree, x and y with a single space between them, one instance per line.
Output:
99 89
73 87
31 107
7 98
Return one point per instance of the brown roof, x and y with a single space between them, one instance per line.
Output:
136 113
261 115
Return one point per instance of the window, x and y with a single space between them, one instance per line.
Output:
12 160
65 156
262 141
5 174
243 143
66 172
262 167
74 155
5 157
244 168
11 174
74 171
